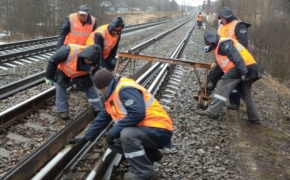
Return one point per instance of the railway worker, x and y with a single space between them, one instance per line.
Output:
240 70
77 28
108 37
141 127
231 27
199 20
74 62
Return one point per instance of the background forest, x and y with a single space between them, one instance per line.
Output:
269 36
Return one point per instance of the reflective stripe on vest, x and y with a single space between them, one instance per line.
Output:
69 67
228 30
156 116
225 64
78 33
119 103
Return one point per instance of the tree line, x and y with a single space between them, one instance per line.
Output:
29 19
269 32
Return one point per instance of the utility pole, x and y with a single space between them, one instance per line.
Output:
208 7
182 7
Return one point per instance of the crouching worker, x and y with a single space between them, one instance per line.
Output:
74 62
107 37
240 69
141 127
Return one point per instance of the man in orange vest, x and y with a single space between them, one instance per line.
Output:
141 127
199 20
231 27
108 37
240 70
74 62
76 28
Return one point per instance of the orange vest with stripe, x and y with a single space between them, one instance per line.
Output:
109 41
78 33
200 17
223 61
155 117
228 30
69 67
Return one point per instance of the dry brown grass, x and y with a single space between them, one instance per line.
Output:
143 17
274 85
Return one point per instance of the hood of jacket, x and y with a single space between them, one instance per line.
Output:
211 37
225 12
117 22
92 53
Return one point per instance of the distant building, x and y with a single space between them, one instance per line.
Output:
108 6
149 9
122 7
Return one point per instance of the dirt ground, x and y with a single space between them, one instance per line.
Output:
143 17
263 151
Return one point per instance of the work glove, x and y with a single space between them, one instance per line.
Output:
244 78
210 86
110 139
206 49
49 82
113 62
77 141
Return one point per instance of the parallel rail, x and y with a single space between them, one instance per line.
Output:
39 77
49 149
49 48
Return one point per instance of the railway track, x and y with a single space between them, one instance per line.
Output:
42 100
39 77
105 163
201 148
13 54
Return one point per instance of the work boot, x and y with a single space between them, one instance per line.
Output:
132 176
233 106
254 122
63 115
206 113
157 157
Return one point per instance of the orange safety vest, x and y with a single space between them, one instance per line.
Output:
228 30
200 17
69 67
156 116
109 41
225 64
78 33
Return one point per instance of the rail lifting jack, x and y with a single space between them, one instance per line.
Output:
203 97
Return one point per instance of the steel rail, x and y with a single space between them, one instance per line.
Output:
22 171
45 152
51 148
100 171
25 43
23 84
51 48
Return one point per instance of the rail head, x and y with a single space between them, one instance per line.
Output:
164 60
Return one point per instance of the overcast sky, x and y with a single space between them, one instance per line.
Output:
192 2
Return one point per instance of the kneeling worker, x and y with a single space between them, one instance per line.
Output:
74 62
141 127
240 69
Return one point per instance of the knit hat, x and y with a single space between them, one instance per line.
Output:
83 10
226 13
102 78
